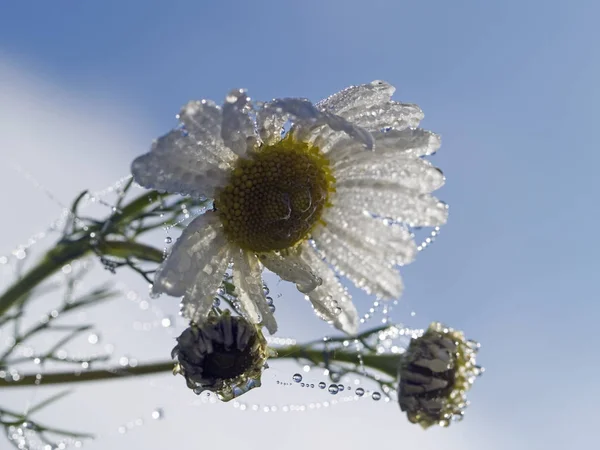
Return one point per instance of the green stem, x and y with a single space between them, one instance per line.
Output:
22 418
89 375
62 254
387 364
67 251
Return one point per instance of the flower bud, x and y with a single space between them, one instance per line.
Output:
436 371
224 354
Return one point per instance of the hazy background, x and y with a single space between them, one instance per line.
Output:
512 87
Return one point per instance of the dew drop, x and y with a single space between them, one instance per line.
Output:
322 385
376 396
297 378
168 239
340 387
474 345
360 391
333 389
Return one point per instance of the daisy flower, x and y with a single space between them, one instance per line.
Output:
311 192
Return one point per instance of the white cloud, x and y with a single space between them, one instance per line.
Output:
65 139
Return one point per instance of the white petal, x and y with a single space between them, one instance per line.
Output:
173 165
387 115
337 123
291 268
191 255
247 278
411 142
360 97
198 301
298 108
372 170
270 123
373 275
338 148
386 242
331 301
237 127
202 120
308 117
408 143
402 205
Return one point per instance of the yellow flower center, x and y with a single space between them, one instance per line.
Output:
276 196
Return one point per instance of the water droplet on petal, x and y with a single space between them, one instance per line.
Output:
376 396
360 391
297 378
333 389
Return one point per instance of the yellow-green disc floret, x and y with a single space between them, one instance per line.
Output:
276 196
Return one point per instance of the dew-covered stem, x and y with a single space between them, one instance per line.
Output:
70 248
60 255
386 364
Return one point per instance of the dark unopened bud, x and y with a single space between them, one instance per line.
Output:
436 371
225 355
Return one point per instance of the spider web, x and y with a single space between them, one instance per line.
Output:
118 335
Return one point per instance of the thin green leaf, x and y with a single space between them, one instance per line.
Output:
49 401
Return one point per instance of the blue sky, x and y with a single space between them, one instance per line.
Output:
512 88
